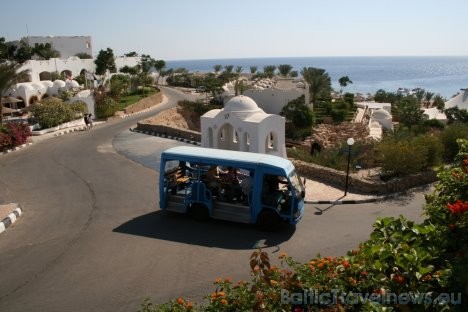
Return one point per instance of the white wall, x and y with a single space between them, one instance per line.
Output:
68 46
73 64
273 100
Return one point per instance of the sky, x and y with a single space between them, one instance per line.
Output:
217 29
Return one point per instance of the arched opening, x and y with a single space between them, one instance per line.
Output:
228 138
246 142
66 74
271 142
210 137
45 75
33 99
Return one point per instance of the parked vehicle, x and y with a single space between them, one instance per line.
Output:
231 185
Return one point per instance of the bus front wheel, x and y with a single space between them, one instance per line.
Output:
268 220
199 212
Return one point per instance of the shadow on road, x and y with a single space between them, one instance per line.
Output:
213 233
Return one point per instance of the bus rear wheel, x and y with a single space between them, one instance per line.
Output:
199 212
268 220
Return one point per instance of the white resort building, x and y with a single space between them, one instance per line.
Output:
242 126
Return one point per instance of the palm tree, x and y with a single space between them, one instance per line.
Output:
344 81
318 81
217 68
269 70
159 65
420 95
284 69
253 69
428 97
9 76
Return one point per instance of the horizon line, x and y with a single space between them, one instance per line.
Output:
316 56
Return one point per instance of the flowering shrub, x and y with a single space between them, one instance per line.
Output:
13 135
403 266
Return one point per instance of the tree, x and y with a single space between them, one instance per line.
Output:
456 114
344 81
9 76
7 50
253 69
217 68
239 70
298 113
420 95
131 54
427 98
118 85
159 66
23 52
228 68
83 55
294 73
439 102
166 72
409 112
319 83
213 84
105 61
45 51
284 69
269 70
301 118
146 63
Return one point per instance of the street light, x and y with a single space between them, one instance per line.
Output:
350 143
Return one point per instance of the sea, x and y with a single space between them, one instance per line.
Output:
444 75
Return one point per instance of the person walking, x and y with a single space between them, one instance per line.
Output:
86 120
90 121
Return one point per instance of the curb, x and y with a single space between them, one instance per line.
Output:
16 148
166 136
5 223
140 112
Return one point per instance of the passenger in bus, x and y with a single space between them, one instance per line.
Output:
246 186
272 194
231 184
212 178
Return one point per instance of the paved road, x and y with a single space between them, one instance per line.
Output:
92 238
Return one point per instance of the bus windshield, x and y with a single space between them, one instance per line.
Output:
296 183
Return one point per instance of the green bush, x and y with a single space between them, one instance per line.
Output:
107 107
78 107
408 155
449 138
198 107
52 112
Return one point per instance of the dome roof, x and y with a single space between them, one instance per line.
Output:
47 83
59 83
241 103
72 83
381 114
27 87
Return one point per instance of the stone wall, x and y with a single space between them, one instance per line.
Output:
144 103
170 131
362 185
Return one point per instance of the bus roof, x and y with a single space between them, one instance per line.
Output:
222 157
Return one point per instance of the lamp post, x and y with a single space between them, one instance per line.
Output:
350 143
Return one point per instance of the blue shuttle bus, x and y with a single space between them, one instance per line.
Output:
230 185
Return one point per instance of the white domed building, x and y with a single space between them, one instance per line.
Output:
242 126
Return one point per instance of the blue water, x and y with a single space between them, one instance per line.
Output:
442 75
